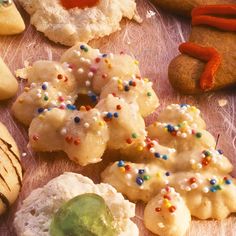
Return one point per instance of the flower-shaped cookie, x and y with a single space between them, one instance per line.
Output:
116 122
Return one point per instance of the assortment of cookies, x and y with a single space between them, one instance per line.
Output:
173 165
180 161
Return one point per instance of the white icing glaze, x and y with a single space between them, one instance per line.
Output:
196 170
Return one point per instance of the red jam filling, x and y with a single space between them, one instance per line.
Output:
68 4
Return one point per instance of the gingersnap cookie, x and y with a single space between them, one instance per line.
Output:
207 64
185 7
10 170
69 22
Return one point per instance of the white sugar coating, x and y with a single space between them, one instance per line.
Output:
71 26
80 70
77 53
33 85
35 215
129 187
198 172
205 190
86 125
87 83
63 131
77 140
194 185
82 59
152 150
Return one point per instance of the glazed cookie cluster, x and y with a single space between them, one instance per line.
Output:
179 156
114 120
173 164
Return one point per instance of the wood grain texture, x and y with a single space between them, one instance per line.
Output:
154 44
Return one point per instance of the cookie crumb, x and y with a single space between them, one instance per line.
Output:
222 102
150 14
24 154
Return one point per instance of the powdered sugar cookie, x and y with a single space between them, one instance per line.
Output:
39 209
69 22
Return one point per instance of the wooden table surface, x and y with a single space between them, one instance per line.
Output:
154 44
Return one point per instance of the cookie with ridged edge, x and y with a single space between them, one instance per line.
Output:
10 170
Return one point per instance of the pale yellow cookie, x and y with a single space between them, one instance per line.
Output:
203 160
208 195
180 153
167 214
149 151
83 135
8 83
82 70
184 138
11 21
125 123
181 127
51 84
112 123
53 88
178 113
133 90
10 170
136 181
95 69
